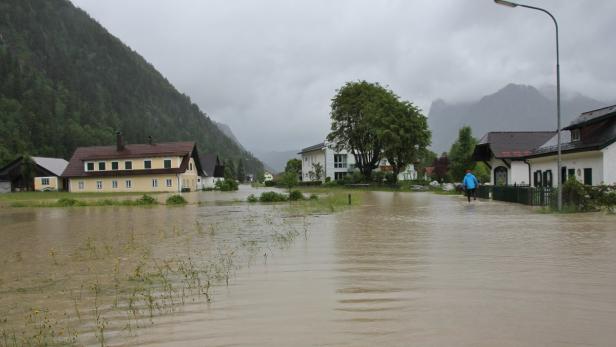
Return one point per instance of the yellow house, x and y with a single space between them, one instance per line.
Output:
154 167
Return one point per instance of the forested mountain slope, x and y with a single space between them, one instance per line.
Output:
66 82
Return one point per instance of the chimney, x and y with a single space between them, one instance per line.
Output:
119 141
150 140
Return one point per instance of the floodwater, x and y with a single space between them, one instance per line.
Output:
401 269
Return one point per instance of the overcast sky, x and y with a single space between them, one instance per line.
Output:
269 68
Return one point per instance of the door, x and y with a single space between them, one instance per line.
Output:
588 176
563 174
500 176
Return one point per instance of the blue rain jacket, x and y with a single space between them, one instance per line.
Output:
470 181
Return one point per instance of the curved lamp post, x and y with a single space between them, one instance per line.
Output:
559 160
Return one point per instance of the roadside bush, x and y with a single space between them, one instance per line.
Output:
66 202
270 183
227 185
390 178
296 195
176 200
146 200
314 197
252 198
378 177
272 197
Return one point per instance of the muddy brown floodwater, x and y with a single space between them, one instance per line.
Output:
401 269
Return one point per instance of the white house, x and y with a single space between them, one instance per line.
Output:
530 158
212 171
588 151
267 177
321 161
504 152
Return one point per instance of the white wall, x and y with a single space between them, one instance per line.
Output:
516 174
330 170
593 160
609 164
312 157
208 182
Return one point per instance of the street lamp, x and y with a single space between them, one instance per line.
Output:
559 160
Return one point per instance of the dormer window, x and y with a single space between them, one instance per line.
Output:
575 135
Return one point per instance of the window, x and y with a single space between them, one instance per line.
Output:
101 166
128 165
169 182
571 173
538 178
45 181
167 163
81 184
129 184
190 166
500 176
339 175
588 176
114 165
547 178
575 135
89 166
114 184
563 174
99 184
306 159
154 183
340 161
147 164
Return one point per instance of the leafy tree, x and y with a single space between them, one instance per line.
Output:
441 168
355 112
241 173
28 172
294 165
316 174
461 152
230 172
404 134
288 180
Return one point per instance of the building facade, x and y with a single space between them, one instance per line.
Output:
161 167
530 158
322 162
44 174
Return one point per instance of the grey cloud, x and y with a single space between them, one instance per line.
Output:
269 68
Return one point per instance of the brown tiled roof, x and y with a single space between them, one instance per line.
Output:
75 166
512 144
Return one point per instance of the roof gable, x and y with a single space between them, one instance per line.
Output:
513 144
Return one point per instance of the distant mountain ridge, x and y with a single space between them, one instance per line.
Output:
66 82
512 108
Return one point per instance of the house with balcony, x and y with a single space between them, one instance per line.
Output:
151 167
530 158
588 151
322 161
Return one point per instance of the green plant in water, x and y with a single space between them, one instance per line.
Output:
252 198
176 200
296 195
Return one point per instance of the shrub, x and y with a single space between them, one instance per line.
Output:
378 176
252 198
146 200
272 197
390 178
176 200
296 195
65 202
314 197
227 185
270 183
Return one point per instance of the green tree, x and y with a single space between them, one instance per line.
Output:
241 172
230 172
316 174
426 159
356 110
404 135
288 180
28 172
460 154
294 165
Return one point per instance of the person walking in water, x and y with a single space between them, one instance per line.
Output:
470 184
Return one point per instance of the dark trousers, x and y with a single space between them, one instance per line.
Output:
471 192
